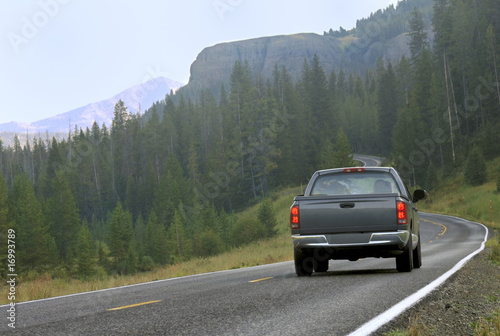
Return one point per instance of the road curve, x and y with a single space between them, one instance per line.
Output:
368 161
262 300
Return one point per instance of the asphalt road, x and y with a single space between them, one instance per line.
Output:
368 161
263 300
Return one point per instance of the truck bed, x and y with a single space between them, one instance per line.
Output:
347 214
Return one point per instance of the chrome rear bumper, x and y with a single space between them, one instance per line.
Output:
352 240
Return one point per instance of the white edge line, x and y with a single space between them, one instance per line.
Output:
147 283
360 160
378 321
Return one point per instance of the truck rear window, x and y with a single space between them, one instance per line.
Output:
354 184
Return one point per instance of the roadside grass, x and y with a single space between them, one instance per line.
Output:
415 328
262 252
476 203
472 203
488 326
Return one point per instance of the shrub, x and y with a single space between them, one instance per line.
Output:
210 243
247 230
475 170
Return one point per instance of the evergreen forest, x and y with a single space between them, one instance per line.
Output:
164 187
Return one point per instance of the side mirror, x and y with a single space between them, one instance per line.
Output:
419 194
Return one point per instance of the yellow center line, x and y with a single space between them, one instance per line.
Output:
261 279
135 305
443 228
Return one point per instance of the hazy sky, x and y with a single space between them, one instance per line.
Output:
57 55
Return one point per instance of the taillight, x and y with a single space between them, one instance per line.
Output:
402 213
294 217
354 170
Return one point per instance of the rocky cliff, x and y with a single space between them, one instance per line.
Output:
213 65
382 35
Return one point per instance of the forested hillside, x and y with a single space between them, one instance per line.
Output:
156 190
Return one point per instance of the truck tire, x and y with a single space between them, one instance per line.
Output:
304 262
404 261
321 259
417 255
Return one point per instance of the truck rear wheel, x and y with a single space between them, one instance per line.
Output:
304 262
417 255
404 261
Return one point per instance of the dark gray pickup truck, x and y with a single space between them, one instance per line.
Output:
352 213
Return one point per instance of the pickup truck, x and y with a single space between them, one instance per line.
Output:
353 213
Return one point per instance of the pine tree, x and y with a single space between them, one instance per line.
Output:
140 237
418 36
408 157
172 191
85 253
17 157
5 223
293 125
103 256
442 26
56 161
179 247
131 261
35 247
498 180
404 80
491 43
327 155
120 149
209 218
387 103
268 218
120 236
342 156
63 216
1 156
422 91
242 101
132 201
225 221
319 100
156 240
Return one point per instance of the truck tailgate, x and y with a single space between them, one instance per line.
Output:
334 214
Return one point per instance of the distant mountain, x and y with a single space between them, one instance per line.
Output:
141 97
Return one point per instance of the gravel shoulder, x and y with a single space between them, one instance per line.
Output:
456 306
